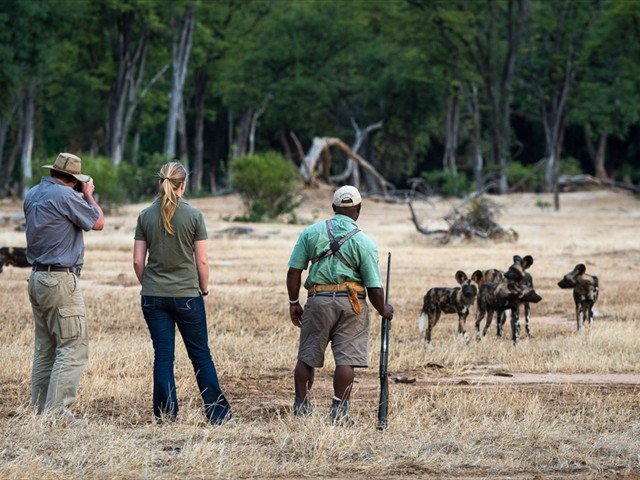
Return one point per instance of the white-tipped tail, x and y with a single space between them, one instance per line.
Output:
422 323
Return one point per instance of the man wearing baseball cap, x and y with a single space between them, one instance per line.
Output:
57 211
344 269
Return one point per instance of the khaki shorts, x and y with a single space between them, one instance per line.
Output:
332 319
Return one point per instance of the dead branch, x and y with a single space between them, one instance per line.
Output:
316 152
414 219
591 181
361 135
475 217
303 165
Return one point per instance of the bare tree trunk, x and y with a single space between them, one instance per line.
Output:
123 98
352 173
5 124
451 131
202 82
239 146
254 123
474 112
13 156
599 159
181 51
553 123
597 156
286 148
182 134
27 145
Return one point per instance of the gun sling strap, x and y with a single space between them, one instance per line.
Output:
352 288
334 246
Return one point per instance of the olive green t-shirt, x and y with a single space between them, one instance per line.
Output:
171 269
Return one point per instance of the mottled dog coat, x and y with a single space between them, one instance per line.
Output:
518 273
499 297
585 292
449 300
13 256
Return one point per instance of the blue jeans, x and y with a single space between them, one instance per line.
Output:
161 315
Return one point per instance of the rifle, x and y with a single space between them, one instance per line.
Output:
383 406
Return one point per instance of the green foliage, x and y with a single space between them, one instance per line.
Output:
106 179
141 181
525 177
569 166
448 183
267 183
543 204
627 173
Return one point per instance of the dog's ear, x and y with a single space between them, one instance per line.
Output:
514 287
580 269
517 259
461 277
477 276
527 262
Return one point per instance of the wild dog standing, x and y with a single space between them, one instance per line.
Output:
518 273
450 300
585 292
499 297
13 256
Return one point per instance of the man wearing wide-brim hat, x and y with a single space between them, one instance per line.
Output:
57 211
344 270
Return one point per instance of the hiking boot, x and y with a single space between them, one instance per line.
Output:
302 408
339 413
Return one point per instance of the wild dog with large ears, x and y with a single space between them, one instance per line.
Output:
585 292
458 300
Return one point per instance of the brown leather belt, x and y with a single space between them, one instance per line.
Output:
352 289
53 268
339 287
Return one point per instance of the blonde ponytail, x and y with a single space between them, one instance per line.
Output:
172 176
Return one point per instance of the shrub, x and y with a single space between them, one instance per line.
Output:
448 183
267 183
525 177
569 166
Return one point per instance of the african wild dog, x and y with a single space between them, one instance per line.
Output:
518 273
13 256
499 297
449 300
585 292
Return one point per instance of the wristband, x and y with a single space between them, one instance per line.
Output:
204 294
293 302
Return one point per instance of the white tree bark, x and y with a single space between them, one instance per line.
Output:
124 95
181 50
254 121
320 146
351 173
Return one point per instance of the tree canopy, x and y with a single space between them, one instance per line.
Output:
470 89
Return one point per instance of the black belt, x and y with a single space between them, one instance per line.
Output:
53 268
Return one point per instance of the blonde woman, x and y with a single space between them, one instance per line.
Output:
171 237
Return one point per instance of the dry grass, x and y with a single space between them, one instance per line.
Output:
570 409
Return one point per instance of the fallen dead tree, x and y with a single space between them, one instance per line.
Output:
474 218
319 156
568 181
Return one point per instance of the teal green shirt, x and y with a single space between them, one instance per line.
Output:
359 251
171 269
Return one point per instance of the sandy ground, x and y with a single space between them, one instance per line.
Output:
254 344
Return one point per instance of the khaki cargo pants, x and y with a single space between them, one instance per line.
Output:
61 344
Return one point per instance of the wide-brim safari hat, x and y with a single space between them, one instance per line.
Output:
69 164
